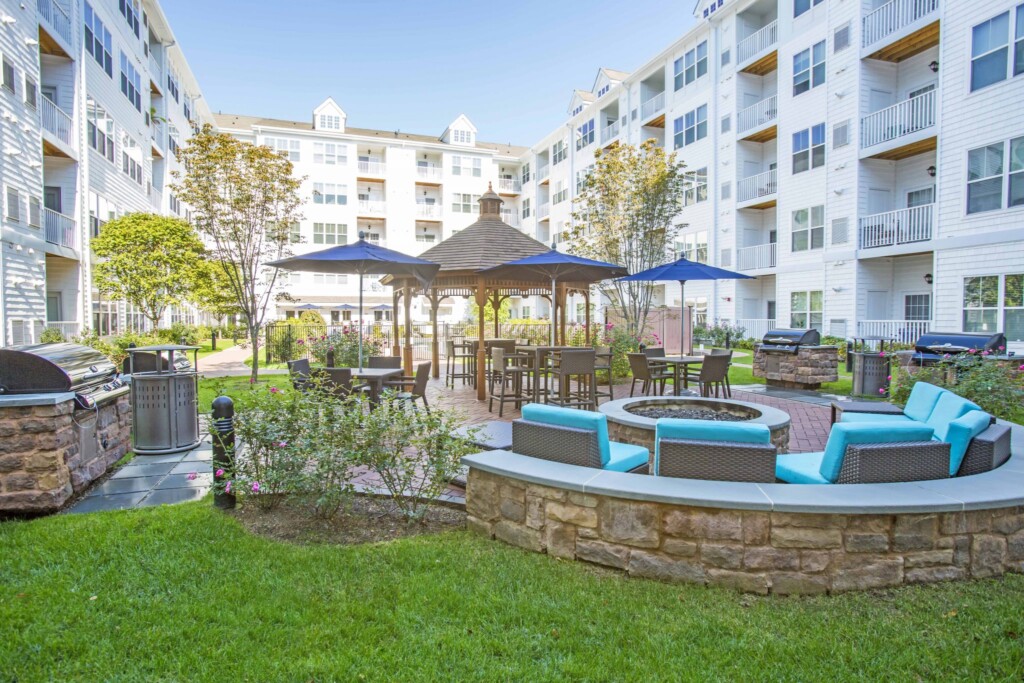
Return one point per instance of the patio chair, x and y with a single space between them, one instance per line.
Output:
413 388
339 382
574 437
640 365
718 451
299 372
385 362
714 374
454 358
603 363
578 364
503 372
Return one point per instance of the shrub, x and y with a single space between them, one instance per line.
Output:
718 333
51 335
345 345
314 320
996 386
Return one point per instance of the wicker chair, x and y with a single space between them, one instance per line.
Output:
578 364
643 372
299 371
717 451
714 373
502 374
456 364
574 437
603 364
987 451
413 388
385 362
339 382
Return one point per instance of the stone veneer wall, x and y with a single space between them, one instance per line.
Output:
757 552
808 368
40 463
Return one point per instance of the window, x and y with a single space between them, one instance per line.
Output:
1018 43
172 85
581 177
577 110
809 148
131 84
175 204
172 139
321 279
31 93
131 158
13 205
100 129
841 134
1013 307
526 173
526 208
805 310
330 233
330 122
9 75
990 51
463 203
605 89
330 153
917 307
841 38
801 6
130 11
330 193
561 193
35 218
725 57
558 152
808 228
693 247
695 186
985 169
98 42
691 65
462 137
286 148
981 303
585 134
691 127
466 166
726 124
809 68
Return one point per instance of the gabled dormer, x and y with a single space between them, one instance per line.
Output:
606 80
581 99
329 117
461 131
707 8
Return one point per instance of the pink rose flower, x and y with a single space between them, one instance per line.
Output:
972 350
275 390
881 391
255 487
219 473
282 444
889 378
1002 348
227 487
192 476
301 342
252 381
881 354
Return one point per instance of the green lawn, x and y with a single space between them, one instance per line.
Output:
844 387
184 593
212 387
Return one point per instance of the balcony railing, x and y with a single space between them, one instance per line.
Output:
428 172
508 185
896 227
68 328
372 167
903 331
755 328
652 106
60 229
56 120
904 118
56 16
758 42
543 172
757 186
371 206
765 111
892 16
543 211
510 217
154 69
609 132
756 257
428 210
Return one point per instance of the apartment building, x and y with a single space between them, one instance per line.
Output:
95 100
863 160
403 191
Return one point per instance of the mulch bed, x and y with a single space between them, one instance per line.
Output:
367 520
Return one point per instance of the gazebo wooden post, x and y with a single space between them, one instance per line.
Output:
586 305
396 347
435 343
407 300
481 352
563 295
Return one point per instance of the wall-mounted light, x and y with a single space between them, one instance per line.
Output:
929 279
931 171
934 66
31 41
837 289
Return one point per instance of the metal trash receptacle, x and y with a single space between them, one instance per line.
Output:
165 402
870 368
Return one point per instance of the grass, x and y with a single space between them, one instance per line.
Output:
266 366
212 387
844 387
184 593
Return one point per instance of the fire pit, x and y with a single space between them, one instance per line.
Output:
632 420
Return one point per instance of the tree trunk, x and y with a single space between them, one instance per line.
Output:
254 339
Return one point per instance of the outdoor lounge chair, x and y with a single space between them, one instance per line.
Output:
719 451
574 437
299 372
414 388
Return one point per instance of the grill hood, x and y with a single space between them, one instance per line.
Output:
52 368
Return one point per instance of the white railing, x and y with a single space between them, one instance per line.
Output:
510 217
904 331
543 211
892 16
60 229
429 172
372 167
756 186
896 227
428 210
765 111
609 132
155 71
755 328
758 42
904 118
371 206
543 172
508 185
652 106
156 130
756 257
56 16
67 328
56 120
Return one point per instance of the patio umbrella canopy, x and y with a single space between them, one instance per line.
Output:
682 271
362 258
555 266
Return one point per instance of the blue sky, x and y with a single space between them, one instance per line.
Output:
414 66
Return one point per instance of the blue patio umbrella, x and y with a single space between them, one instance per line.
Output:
382 307
362 258
682 271
346 307
307 307
555 266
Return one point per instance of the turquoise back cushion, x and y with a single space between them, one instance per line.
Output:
843 434
923 398
706 430
959 434
948 408
570 417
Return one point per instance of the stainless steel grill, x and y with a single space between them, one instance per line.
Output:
58 368
789 341
933 346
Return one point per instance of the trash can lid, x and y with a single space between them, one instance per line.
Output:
165 347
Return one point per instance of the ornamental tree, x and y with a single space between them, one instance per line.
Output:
211 290
148 260
244 201
623 214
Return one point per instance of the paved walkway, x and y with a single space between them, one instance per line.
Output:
230 363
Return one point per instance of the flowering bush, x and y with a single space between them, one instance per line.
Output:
345 345
718 333
996 386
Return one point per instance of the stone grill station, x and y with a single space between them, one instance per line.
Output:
64 419
795 359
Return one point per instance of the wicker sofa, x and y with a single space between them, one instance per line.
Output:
574 437
719 451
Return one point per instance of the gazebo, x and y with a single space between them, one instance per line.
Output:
486 243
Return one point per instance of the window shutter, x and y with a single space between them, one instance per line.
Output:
840 231
726 258
841 38
841 134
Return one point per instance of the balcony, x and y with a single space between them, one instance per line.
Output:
758 257
510 217
759 120
543 173
508 186
900 131
654 108
56 17
430 175
900 29
755 328
68 328
59 127
60 229
430 212
371 168
609 133
156 136
372 207
903 226
903 331
760 188
543 211
156 74
753 46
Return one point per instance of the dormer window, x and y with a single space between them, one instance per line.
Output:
603 90
462 137
577 110
329 122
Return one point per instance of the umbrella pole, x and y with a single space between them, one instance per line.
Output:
554 307
360 320
682 318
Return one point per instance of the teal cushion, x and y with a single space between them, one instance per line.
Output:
626 457
922 400
959 435
570 417
707 430
843 434
800 468
872 417
948 408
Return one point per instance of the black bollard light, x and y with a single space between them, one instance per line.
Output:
330 358
222 432
213 339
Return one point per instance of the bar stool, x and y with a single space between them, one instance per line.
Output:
603 363
578 364
454 357
502 373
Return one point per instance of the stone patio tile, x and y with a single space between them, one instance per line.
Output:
191 466
181 481
129 485
121 501
156 459
198 456
133 470
172 496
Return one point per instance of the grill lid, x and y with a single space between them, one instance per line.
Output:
791 338
52 368
937 343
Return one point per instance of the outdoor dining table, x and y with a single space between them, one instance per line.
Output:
376 377
677 362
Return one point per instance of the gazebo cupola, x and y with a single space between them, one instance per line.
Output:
490 204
